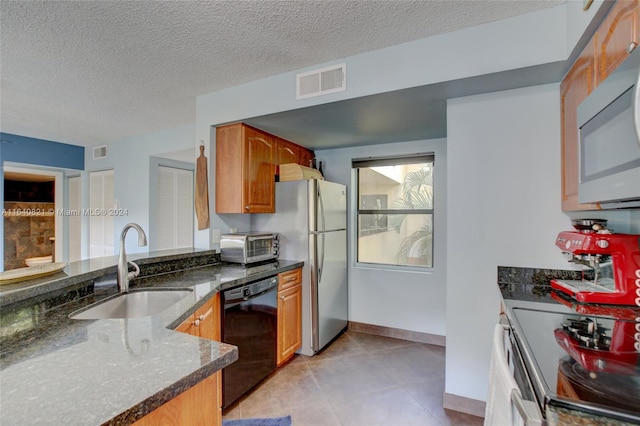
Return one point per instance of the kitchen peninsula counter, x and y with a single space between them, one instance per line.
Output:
530 289
56 370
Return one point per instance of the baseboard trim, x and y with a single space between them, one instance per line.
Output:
398 333
463 404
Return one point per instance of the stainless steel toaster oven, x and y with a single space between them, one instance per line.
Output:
248 247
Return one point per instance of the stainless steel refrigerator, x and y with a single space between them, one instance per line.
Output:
311 220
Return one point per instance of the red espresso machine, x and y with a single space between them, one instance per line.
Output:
613 262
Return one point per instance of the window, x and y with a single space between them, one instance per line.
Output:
395 210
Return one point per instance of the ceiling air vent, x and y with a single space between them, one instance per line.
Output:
321 82
99 152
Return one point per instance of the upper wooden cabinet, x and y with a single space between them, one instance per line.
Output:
604 52
616 36
246 166
306 158
289 152
576 86
245 170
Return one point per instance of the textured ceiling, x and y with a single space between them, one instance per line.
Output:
88 72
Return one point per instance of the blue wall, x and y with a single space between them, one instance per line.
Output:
25 150
22 149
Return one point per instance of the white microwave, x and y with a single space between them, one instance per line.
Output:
609 141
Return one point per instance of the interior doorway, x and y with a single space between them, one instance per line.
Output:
32 230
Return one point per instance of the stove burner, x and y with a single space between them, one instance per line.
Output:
588 334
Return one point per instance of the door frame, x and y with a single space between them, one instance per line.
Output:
60 238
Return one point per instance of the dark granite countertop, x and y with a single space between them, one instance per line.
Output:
529 288
55 370
77 273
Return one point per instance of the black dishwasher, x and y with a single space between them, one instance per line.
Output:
250 322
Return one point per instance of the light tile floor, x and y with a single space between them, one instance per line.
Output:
360 379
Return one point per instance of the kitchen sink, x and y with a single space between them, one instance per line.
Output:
132 304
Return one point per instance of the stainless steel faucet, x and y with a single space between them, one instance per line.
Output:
124 276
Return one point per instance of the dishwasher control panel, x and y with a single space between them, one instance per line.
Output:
251 289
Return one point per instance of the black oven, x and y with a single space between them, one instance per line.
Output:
249 321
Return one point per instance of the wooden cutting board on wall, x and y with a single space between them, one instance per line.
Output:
202 191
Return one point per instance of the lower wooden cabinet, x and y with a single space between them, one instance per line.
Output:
289 314
205 321
192 407
202 403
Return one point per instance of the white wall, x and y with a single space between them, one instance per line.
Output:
578 19
503 188
400 299
465 53
130 159
504 209
510 44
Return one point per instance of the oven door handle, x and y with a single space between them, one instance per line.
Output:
636 109
528 410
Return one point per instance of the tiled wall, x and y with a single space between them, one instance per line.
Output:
27 235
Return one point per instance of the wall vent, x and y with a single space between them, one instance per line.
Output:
99 152
321 82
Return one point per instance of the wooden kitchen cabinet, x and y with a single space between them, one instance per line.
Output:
205 321
194 406
605 51
289 152
246 167
289 314
575 87
306 157
615 35
245 170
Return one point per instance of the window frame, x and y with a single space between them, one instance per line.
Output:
358 163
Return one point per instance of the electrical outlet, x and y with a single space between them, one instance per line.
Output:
216 236
233 230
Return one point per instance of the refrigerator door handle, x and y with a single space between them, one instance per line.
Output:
321 210
321 263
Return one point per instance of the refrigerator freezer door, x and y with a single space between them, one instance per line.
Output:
328 286
328 206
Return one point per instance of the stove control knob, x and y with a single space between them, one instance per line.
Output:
603 244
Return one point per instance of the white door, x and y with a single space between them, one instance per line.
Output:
174 210
75 225
101 199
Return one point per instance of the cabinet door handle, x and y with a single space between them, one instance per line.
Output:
246 207
632 46
281 297
200 319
